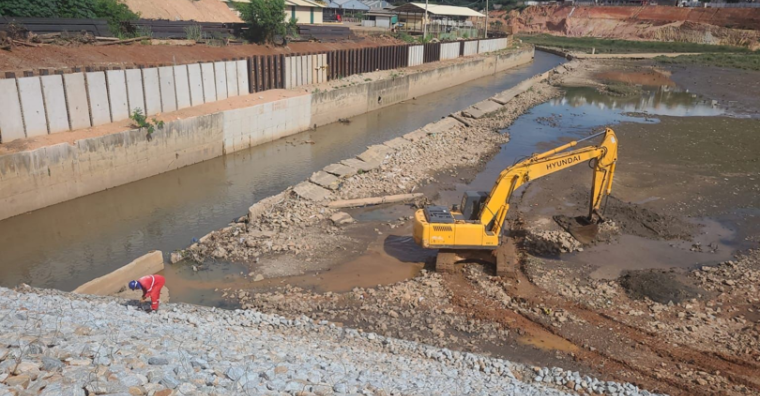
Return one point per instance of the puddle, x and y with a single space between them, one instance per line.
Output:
204 287
713 245
389 259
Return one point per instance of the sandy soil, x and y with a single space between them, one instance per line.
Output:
650 318
59 57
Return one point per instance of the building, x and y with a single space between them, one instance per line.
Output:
376 5
380 18
305 11
444 21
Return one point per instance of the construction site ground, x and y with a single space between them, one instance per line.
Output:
664 298
161 52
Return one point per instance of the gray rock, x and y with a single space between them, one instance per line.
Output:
234 373
51 364
158 361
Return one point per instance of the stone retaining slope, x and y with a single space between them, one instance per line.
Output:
102 345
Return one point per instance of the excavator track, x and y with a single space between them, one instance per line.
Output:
507 259
445 261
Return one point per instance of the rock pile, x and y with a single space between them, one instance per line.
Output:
54 343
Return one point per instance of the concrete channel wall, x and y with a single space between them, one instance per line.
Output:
41 177
329 106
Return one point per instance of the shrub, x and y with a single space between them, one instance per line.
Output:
266 19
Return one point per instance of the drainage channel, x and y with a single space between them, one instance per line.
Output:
65 245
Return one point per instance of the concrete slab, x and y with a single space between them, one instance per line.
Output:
375 153
108 284
220 73
325 180
288 71
242 77
442 125
32 106
11 120
397 143
264 206
505 96
481 109
209 82
55 103
152 91
340 170
232 83
76 101
341 218
135 92
311 191
168 88
182 86
195 81
417 135
117 94
361 165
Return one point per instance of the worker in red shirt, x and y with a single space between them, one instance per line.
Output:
151 287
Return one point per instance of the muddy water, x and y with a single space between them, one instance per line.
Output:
578 113
70 243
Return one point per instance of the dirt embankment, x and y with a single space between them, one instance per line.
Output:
60 57
729 26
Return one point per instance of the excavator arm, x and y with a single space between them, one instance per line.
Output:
430 231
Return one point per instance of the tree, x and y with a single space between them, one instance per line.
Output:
266 19
112 10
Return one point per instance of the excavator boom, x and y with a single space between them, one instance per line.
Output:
477 223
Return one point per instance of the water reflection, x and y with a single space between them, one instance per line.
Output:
665 100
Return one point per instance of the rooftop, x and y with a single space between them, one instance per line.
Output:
437 9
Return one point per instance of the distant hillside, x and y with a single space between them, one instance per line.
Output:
727 26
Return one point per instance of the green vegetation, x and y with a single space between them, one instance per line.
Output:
738 61
265 18
111 10
617 88
585 44
194 32
142 122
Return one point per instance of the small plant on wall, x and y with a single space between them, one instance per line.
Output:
141 121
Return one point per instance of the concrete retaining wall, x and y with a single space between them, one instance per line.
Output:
329 106
38 178
35 106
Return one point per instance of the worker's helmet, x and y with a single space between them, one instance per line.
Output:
134 285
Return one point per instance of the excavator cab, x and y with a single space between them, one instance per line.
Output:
472 204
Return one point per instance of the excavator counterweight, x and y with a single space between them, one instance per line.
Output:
477 222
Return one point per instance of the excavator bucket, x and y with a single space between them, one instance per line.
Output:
579 227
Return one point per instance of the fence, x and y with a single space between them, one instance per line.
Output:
96 27
40 105
51 103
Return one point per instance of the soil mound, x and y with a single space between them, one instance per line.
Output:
658 286
635 220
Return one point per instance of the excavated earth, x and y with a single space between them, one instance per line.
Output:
680 329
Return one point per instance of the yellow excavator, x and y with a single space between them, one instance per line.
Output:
477 223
